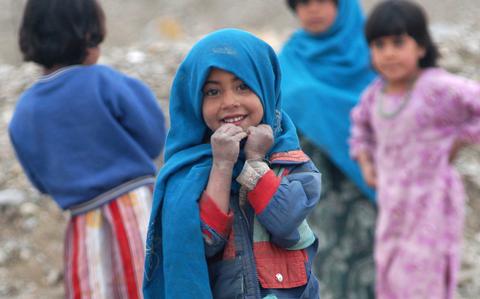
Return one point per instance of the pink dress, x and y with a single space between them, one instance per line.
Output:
420 196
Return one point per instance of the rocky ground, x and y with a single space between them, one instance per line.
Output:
32 227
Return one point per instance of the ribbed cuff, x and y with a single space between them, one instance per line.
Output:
263 192
214 217
252 172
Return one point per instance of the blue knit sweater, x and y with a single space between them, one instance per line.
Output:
84 130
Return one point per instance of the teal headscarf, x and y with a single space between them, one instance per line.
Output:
175 265
323 77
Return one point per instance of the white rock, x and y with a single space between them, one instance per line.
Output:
28 209
11 197
135 57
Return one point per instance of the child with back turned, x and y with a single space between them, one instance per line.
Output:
230 203
87 135
406 129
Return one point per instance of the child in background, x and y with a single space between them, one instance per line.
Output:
230 203
326 66
87 135
408 126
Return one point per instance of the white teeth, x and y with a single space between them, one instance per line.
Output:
234 119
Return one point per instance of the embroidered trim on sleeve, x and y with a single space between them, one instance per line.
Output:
251 173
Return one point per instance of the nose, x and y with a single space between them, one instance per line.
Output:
389 50
230 100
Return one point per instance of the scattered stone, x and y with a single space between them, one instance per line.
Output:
30 224
3 257
135 57
53 277
28 209
11 197
25 253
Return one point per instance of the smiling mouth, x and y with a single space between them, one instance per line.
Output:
316 21
390 67
233 120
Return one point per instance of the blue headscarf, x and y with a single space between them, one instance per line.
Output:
175 265
323 77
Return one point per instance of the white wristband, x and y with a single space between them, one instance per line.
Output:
251 173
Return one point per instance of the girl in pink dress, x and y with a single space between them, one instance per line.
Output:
409 124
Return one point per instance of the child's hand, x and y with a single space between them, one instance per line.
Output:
226 144
368 169
260 140
456 147
369 174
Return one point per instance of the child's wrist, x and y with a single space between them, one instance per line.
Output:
223 165
254 156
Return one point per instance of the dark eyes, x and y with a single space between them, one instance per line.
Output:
306 2
215 91
211 92
243 86
397 41
378 43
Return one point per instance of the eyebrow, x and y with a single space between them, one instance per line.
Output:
211 82
218 82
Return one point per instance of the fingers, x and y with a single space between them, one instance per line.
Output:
233 129
265 127
371 179
239 136
260 128
229 129
229 132
226 144
372 183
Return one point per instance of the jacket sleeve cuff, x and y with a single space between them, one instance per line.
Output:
252 172
263 192
215 218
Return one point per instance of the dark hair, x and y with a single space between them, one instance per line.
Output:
293 3
396 17
59 32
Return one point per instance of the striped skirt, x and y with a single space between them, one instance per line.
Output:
105 248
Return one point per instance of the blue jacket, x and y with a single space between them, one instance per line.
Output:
265 247
84 130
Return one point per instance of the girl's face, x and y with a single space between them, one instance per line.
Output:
228 100
396 57
316 16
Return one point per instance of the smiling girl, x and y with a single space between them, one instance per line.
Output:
230 203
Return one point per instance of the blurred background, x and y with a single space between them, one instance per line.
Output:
133 21
148 39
